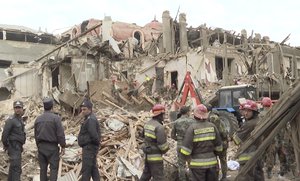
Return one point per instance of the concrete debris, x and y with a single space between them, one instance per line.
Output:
72 154
115 124
70 139
124 69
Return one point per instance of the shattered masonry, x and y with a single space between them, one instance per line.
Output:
117 64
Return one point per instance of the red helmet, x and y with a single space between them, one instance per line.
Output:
201 112
266 102
158 109
250 105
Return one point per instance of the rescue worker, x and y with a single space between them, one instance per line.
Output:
13 139
148 84
48 133
250 113
270 151
200 145
89 139
155 140
267 105
277 147
179 128
215 119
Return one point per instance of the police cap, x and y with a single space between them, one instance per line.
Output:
87 103
48 103
18 104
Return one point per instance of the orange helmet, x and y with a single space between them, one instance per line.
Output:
266 102
250 105
201 112
158 109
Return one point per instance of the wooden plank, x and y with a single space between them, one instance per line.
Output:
77 170
136 101
2 170
59 168
125 100
113 104
276 118
134 171
148 99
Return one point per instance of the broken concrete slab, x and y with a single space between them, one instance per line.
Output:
70 100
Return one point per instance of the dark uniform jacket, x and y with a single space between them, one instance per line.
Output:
242 135
155 141
89 131
180 127
201 141
13 131
48 128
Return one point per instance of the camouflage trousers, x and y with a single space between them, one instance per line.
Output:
223 162
181 164
270 158
256 173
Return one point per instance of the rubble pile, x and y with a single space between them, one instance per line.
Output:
120 155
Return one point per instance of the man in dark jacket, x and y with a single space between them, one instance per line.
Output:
13 138
201 143
156 144
250 112
89 139
48 133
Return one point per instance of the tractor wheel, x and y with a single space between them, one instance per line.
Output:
229 121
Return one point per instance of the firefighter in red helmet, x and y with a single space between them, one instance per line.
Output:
250 112
266 102
155 140
201 143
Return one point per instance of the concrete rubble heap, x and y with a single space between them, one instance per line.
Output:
120 155
125 69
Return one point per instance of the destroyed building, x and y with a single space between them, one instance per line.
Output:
20 45
105 60
165 52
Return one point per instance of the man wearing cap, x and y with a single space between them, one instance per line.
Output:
201 144
89 139
48 133
155 140
13 138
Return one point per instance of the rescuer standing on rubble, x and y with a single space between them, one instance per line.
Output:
89 139
277 147
202 142
13 138
250 112
155 140
178 132
215 119
48 133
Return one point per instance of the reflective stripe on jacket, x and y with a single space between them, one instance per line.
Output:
200 142
241 136
155 140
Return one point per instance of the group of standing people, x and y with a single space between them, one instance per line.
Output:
198 140
50 140
202 141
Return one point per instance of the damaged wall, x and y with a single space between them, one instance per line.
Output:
27 84
84 70
201 65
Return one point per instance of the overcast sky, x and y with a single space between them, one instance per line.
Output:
273 18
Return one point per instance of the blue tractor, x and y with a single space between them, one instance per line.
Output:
226 104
